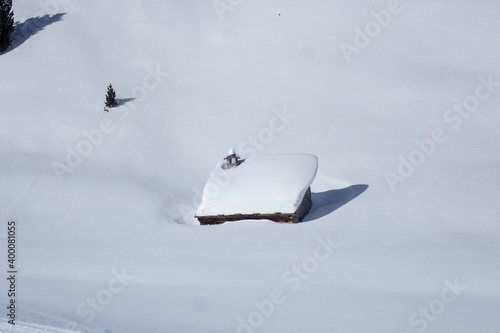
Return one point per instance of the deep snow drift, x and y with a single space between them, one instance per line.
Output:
401 97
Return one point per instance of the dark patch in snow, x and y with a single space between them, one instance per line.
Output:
27 29
121 101
327 202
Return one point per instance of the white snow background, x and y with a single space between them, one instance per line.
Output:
112 245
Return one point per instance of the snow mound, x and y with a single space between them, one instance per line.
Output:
265 185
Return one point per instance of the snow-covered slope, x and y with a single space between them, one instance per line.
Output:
105 202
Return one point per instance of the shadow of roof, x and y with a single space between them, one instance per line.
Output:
325 203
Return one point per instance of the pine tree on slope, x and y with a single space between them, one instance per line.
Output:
6 24
110 98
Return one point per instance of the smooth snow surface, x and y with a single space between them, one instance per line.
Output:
265 185
105 202
21 327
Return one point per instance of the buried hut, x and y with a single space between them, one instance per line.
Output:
272 187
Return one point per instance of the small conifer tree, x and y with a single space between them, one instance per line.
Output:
110 99
6 24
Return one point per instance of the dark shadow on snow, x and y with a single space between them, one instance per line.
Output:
326 202
27 29
121 101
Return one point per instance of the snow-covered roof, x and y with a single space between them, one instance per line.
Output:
264 185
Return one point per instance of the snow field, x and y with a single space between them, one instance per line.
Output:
129 205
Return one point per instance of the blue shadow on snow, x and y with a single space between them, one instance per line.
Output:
122 101
27 29
327 202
